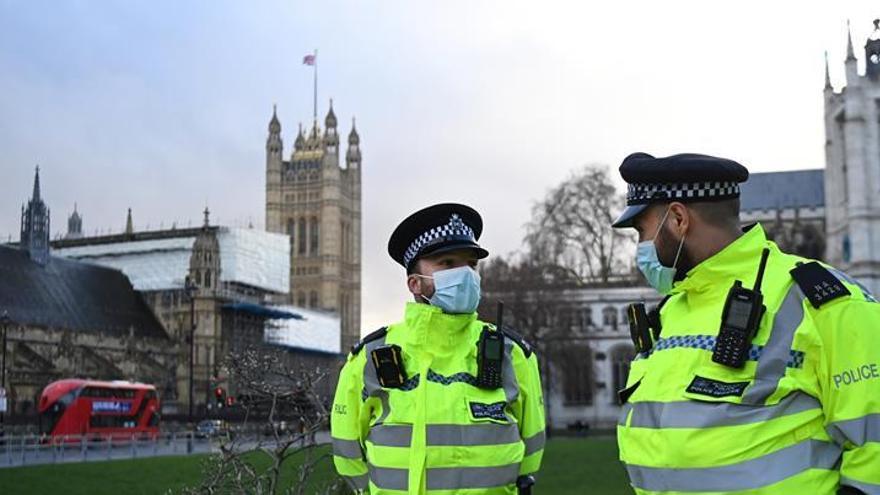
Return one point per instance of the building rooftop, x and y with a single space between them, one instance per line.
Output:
72 295
160 260
782 190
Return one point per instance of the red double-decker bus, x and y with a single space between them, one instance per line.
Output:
117 409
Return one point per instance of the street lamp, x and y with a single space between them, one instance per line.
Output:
190 287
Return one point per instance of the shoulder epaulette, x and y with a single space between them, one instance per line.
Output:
378 334
818 283
518 339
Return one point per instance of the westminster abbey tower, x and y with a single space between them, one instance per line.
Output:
314 196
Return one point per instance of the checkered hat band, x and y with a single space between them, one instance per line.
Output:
638 194
455 230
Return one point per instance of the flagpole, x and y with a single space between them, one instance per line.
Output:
315 100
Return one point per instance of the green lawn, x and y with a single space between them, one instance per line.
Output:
571 466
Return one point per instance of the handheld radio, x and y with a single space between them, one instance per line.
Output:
740 320
490 354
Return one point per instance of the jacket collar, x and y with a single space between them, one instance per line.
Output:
429 327
736 259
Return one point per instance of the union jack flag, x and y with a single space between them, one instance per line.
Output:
309 59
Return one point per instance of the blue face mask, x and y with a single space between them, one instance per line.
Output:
658 275
456 290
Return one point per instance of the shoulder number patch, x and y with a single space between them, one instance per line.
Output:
818 284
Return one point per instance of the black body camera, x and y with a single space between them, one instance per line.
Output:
639 327
388 361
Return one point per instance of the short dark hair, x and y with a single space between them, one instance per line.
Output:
719 213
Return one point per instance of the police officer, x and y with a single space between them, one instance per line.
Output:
759 372
439 402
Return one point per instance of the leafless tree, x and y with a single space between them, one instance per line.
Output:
281 400
571 229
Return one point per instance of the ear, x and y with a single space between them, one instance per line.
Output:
413 284
680 218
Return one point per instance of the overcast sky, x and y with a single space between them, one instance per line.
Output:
162 106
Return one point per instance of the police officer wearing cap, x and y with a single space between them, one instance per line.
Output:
758 372
439 402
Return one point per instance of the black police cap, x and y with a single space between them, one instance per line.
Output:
687 177
436 229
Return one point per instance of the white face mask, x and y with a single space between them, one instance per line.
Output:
658 275
456 290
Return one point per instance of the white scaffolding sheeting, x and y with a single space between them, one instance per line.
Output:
255 258
159 264
317 331
251 257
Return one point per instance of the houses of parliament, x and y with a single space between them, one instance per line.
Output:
315 198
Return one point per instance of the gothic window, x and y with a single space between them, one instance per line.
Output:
291 227
609 317
313 235
587 315
313 299
624 319
621 356
577 375
301 299
301 246
208 279
343 230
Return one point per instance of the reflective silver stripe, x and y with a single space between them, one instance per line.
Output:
458 478
777 351
471 477
508 373
868 488
390 435
371 381
624 412
535 442
349 449
747 475
697 414
461 435
389 478
361 482
858 430
481 434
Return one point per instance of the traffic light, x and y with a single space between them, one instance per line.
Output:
220 394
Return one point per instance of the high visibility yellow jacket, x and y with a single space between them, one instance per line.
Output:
801 417
439 433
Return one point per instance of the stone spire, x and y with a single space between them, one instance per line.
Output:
852 74
330 120
300 139
207 217
331 138
36 194
74 224
273 142
827 73
129 226
850 53
353 154
274 123
35 225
